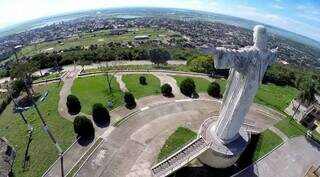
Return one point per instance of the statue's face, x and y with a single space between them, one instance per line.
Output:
260 36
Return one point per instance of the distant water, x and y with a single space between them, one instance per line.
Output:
155 12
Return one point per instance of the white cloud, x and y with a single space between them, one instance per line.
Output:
277 6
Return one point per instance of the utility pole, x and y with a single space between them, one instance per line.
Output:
30 129
45 127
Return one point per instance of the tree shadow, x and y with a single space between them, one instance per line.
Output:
194 95
168 95
85 140
244 161
102 124
313 142
131 106
73 113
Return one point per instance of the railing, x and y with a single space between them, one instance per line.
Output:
180 158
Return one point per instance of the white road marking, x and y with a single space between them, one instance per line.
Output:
144 108
183 100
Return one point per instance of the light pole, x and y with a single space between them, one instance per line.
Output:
45 126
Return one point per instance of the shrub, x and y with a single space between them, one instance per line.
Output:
166 89
187 87
100 114
129 100
143 80
214 90
73 104
83 126
16 87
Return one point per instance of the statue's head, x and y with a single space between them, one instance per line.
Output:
260 37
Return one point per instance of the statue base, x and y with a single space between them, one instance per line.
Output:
221 155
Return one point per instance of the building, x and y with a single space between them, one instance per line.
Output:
142 37
118 31
307 115
7 156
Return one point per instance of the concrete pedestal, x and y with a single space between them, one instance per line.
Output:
221 155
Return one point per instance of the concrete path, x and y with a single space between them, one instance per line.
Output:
166 79
132 148
292 159
279 133
122 85
261 120
65 91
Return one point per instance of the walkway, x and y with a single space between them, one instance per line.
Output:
122 85
279 133
180 158
165 79
151 111
292 159
65 91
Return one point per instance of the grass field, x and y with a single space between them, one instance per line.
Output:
276 97
42 151
201 83
87 39
266 142
91 90
293 129
138 90
179 138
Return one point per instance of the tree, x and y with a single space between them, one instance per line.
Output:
143 80
109 71
307 96
159 56
129 100
166 90
83 62
16 87
202 64
100 114
214 90
73 104
23 71
83 126
187 87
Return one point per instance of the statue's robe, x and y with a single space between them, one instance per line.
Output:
247 67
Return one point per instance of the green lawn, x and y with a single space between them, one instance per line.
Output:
293 129
175 141
266 142
87 39
42 151
201 83
276 97
91 90
138 90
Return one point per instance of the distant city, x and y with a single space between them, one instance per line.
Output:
197 29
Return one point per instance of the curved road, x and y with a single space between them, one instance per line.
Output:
132 148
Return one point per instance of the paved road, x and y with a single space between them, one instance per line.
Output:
65 91
96 65
131 149
292 159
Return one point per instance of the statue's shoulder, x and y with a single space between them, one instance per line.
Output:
246 49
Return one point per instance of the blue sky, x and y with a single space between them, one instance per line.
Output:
300 16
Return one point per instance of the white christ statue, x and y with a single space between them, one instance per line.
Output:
247 67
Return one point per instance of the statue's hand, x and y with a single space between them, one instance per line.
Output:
208 49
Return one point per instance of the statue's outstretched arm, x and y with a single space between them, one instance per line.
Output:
226 58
